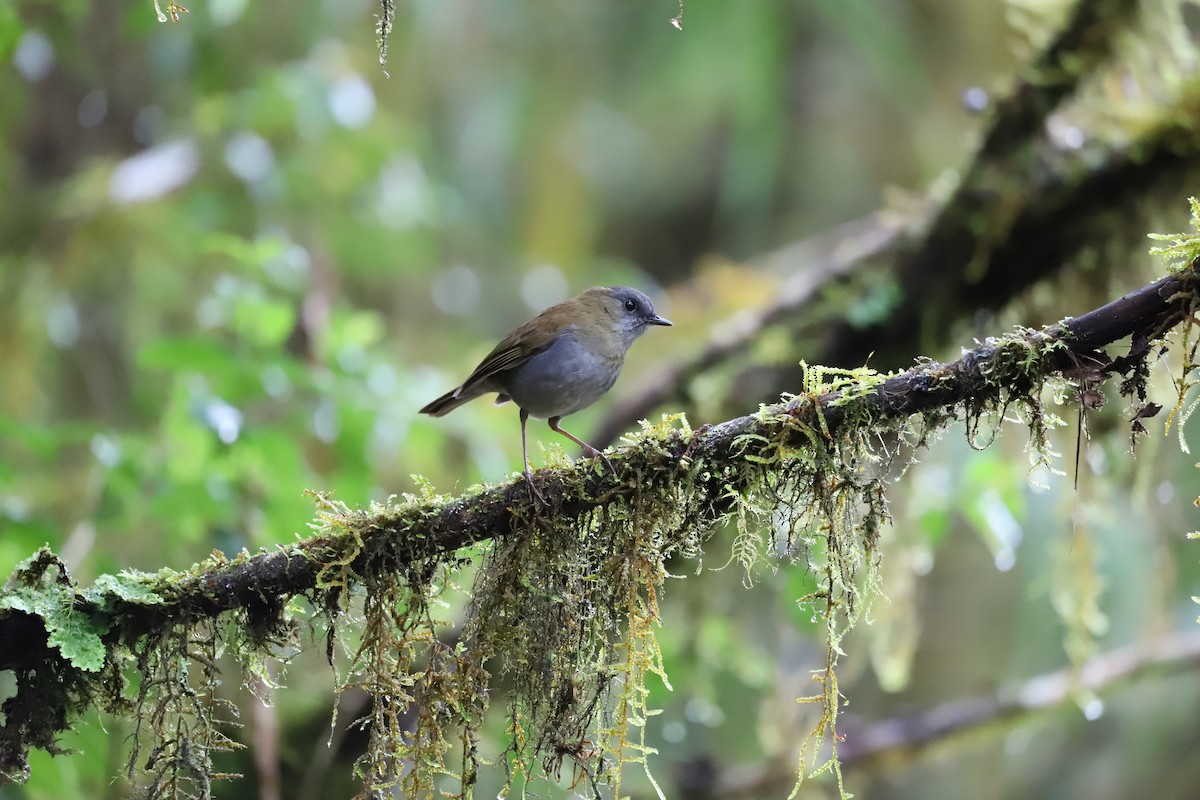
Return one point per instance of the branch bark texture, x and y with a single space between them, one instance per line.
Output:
270 578
1023 207
410 536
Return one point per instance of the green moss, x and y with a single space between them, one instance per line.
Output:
1182 249
41 586
564 609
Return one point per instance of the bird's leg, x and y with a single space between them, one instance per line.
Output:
525 457
588 450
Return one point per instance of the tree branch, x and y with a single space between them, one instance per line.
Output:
1176 653
413 537
442 526
1022 209
828 258
867 742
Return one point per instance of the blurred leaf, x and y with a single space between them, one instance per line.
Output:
934 524
802 583
265 322
11 29
883 294
247 252
185 353
189 446
90 768
19 538
348 336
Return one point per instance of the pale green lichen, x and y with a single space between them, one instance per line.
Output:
564 609
1182 248
41 586
1183 252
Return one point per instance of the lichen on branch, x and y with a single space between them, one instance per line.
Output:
564 605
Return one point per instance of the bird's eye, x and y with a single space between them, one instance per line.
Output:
630 305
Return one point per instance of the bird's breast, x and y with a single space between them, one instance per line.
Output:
565 377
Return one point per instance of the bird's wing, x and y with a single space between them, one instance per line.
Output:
515 349
498 361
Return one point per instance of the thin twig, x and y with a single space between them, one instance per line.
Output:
263 582
869 742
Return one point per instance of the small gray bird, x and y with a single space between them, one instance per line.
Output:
560 361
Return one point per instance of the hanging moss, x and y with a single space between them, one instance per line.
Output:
564 607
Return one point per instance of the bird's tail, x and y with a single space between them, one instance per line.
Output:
450 401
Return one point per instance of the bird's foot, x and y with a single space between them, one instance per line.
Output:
593 454
537 496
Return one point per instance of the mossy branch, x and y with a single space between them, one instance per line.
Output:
1021 209
599 548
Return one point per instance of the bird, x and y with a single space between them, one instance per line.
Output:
559 362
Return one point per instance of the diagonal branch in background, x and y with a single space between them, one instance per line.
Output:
1085 41
441 527
868 742
1176 653
1016 216
828 258
45 622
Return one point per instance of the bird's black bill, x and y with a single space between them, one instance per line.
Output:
657 320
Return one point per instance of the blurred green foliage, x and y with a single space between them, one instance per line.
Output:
236 257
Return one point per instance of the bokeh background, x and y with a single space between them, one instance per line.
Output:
237 254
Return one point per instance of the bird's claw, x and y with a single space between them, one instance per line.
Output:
593 453
536 494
